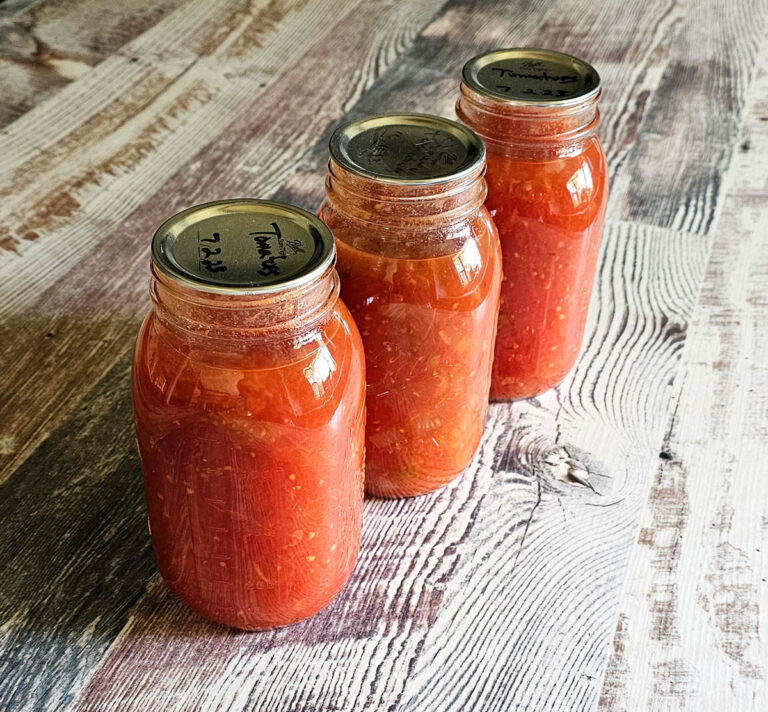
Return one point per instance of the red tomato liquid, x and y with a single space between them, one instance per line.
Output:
427 325
253 460
549 213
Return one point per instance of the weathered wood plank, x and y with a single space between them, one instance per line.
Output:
356 654
47 45
694 115
574 666
74 551
500 591
631 57
427 621
92 162
693 613
123 296
568 572
99 204
60 156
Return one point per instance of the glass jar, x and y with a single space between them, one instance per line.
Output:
420 269
249 401
536 110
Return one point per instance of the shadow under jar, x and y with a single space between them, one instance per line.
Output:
537 112
249 401
420 269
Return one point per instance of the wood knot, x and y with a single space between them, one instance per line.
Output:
16 42
561 465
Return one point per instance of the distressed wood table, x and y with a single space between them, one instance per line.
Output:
607 548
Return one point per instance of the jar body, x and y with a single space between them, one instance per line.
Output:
425 297
547 197
252 453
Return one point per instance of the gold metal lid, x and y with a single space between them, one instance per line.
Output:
243 247
407 148
531 76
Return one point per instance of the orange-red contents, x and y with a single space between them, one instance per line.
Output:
427 324
252 454
549 211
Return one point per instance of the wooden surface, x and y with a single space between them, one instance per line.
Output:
517 587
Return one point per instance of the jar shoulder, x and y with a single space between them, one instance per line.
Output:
429 237
572 186
289 380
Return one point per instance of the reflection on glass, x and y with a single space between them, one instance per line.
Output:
580 185
320 370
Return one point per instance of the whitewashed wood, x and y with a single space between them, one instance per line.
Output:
694 117
446 609
354 655
114 302
104 144
73 551
51 43
499 592
94 188
569 570
694 613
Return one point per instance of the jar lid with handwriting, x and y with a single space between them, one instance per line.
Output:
532 76
243 247
407 148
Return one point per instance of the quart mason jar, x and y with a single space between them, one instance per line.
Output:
420 269
248 393
536 110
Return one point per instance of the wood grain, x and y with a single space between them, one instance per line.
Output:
500 592
93 214
693 611
64 322
74 551
49 44
402 634
694 116
532 658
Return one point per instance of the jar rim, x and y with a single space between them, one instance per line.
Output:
221 315
408 149
285 259
526 81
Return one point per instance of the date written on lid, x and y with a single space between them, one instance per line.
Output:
407 148
531 76
245 246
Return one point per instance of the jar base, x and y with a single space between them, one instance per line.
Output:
515 391
388 487
253 625
518 395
